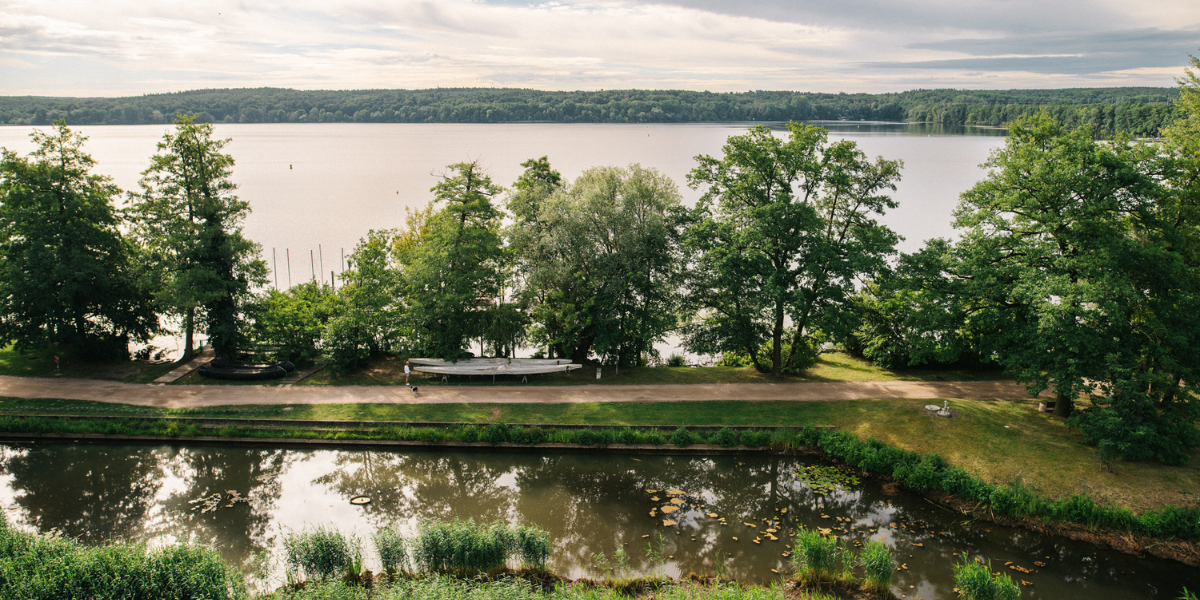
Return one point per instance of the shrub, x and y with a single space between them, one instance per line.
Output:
322 553
977 582
464 548
496 433
681 437
676 361
725 437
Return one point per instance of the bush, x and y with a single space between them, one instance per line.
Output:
681 437
322 553
676 361
725 437
497 433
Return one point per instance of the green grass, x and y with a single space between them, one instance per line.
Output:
40 363
389 370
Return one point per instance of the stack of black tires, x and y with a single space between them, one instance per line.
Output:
233 370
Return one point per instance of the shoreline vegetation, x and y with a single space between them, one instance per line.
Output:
1141 111
1164 530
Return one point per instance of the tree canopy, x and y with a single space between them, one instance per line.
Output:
785 230
66 272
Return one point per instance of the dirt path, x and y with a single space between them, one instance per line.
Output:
190 396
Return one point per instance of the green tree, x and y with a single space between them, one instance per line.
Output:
65 270
1079 259
783 231
190 223
369 319
450 263
601 266
290 325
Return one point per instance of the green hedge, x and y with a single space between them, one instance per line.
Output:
924 472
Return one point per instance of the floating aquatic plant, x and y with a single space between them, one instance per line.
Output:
824 480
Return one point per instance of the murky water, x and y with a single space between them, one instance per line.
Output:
591 504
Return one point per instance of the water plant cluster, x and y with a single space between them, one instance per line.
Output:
52 567
448 588
460 548
975 581
821 558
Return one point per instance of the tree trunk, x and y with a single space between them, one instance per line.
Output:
189 329
777 344
581 351
1062 405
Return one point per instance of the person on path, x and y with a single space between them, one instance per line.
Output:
407 372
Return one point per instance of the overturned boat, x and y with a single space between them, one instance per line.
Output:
494 366
233 370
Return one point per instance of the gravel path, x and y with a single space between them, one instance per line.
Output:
191 396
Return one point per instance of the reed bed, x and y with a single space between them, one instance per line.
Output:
447 588
322 553
51 567
976 581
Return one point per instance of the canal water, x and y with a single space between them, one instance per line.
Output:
592 505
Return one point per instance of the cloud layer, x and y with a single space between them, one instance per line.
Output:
119 47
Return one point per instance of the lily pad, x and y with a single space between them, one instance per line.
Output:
669 509
676 501
668 523
675 492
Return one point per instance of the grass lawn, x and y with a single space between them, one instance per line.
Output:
998 441
41 364
389 370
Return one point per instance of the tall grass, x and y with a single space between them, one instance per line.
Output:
322 553
465 548
390 545
446 588
877 564
815 555
976 581
50 567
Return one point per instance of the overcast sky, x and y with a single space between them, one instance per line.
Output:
126 47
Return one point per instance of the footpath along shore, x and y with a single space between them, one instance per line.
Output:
195 396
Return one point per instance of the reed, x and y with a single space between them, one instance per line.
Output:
391 547
877 564
976 581
51 567
464 548
815 555
322 553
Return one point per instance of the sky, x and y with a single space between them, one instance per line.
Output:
132 47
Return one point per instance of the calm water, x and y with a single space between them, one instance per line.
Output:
589 503
326 185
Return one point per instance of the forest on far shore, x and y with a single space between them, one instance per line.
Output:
1140 111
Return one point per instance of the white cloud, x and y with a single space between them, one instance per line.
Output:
860 45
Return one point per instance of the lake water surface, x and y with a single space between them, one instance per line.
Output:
592 504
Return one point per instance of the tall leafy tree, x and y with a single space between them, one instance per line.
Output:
190 223
450 263
65 269
1081 262
783 231
600 261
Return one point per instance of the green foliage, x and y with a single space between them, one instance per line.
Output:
1141 111
190 224
600 261
676 361
1080 264
815 555
464 548
67 275
391 547
451 263
1186 595
369 315
876 561
290 325
783 231
681 437
50 567
977 582
322 553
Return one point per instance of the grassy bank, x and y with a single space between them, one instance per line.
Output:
835 366
40 363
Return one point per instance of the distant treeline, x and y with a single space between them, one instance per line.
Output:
1141 111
